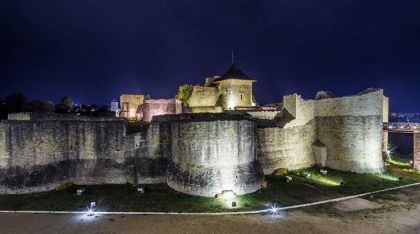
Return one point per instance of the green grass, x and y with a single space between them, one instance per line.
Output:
399 161
160 197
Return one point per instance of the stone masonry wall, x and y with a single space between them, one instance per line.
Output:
146 164
154 107
351 129
38 155
286 147
236 93
416 158
203 96
199 154
208 157
289 146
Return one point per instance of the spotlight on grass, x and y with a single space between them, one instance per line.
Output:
399 163
388 177
80 191
327 181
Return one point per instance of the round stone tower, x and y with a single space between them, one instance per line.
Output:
211 153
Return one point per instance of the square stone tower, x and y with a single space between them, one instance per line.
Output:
129 104
234 89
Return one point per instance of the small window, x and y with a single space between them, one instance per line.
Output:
241 96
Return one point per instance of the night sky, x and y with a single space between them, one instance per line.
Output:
95 50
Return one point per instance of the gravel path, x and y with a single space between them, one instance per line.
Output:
400 213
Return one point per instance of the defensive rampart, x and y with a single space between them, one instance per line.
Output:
211 153
341 133
38 155
200 154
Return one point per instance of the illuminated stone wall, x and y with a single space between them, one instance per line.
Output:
351 129
203 109
289 148
416 157
129 104
199 154
212 152
290 145
385 119
154 107
203 97
145 161
348 128
236 93
232 93
38 155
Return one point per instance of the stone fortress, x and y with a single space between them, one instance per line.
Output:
222 140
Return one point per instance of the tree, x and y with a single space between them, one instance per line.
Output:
66 105
184 93
16 103
40 106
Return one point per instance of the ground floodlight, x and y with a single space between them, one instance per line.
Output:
80 191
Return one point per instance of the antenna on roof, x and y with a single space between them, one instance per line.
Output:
233 57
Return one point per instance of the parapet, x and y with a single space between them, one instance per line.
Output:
155 107
33 116
203 117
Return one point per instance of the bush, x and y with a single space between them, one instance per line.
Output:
280 171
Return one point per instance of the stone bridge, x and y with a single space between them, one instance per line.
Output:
402 127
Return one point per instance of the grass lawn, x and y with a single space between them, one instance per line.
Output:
160 197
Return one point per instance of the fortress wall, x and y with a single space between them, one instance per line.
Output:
286 147
416 154
203 96
369 104
204 109
289 147
146 163
302 110
154 107
129 104
38 155
266 115
351 130
236 93
208 157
